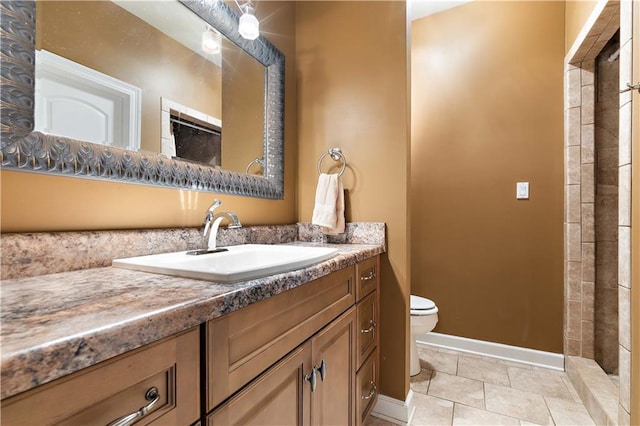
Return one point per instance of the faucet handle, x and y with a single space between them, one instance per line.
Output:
216 203
235 221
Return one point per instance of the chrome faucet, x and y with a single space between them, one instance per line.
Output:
212 222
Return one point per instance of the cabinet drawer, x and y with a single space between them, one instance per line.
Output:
244 343
367 387
367 333
115 388
368 276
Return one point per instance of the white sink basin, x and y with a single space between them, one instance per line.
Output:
237 263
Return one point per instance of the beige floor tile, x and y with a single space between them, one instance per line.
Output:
457 389
434 360
465 415
508 363
516 403
485 371
420 382
431 411
526 423
544 382
375 421
568 413
572 390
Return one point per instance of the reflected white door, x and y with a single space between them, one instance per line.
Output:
74 101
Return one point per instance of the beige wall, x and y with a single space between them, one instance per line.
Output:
243 80
107 38
487 112
32 202
576 14
352 93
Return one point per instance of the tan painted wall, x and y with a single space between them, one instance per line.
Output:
243 80
32 202
486 113
352 93
576 14
107 38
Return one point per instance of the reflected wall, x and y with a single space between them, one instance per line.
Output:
107 38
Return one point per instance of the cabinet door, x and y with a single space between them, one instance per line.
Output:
332 402
280 396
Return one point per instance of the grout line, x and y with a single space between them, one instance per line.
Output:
484 397
546 404
453 412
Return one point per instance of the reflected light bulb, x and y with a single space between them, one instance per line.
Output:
210 42
249 27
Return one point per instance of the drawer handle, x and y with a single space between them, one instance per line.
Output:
153 396
322 369
372 327
311 378
370 276
371 392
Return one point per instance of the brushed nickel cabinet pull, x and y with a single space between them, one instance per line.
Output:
372 327
311 378
322 369
370 276
371 392
153 396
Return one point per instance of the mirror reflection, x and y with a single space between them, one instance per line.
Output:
148 76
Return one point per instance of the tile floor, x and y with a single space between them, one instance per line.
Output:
455 388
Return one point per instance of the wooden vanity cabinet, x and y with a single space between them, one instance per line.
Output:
368 337
118 387
318 332
243 344
307 356
286 393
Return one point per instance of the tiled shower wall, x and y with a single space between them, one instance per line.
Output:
606 206
580 238
624 213
580 193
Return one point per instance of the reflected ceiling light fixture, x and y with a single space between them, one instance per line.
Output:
210 41
248 27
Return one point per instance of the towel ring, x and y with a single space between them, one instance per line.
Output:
252 162
337 155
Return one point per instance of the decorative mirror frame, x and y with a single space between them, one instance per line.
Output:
26 150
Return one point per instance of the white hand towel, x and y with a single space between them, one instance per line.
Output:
329 208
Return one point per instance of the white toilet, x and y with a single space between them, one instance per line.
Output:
424 317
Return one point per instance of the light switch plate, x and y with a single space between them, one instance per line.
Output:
522 190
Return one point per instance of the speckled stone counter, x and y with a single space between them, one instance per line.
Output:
54 325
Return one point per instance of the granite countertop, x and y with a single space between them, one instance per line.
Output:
54 325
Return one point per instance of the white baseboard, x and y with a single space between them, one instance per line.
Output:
496 350
394 410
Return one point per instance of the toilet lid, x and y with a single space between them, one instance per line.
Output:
421 303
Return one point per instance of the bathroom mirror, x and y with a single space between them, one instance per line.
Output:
28 150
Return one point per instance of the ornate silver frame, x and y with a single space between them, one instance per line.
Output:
25 150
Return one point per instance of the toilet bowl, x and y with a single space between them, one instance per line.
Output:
424 317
